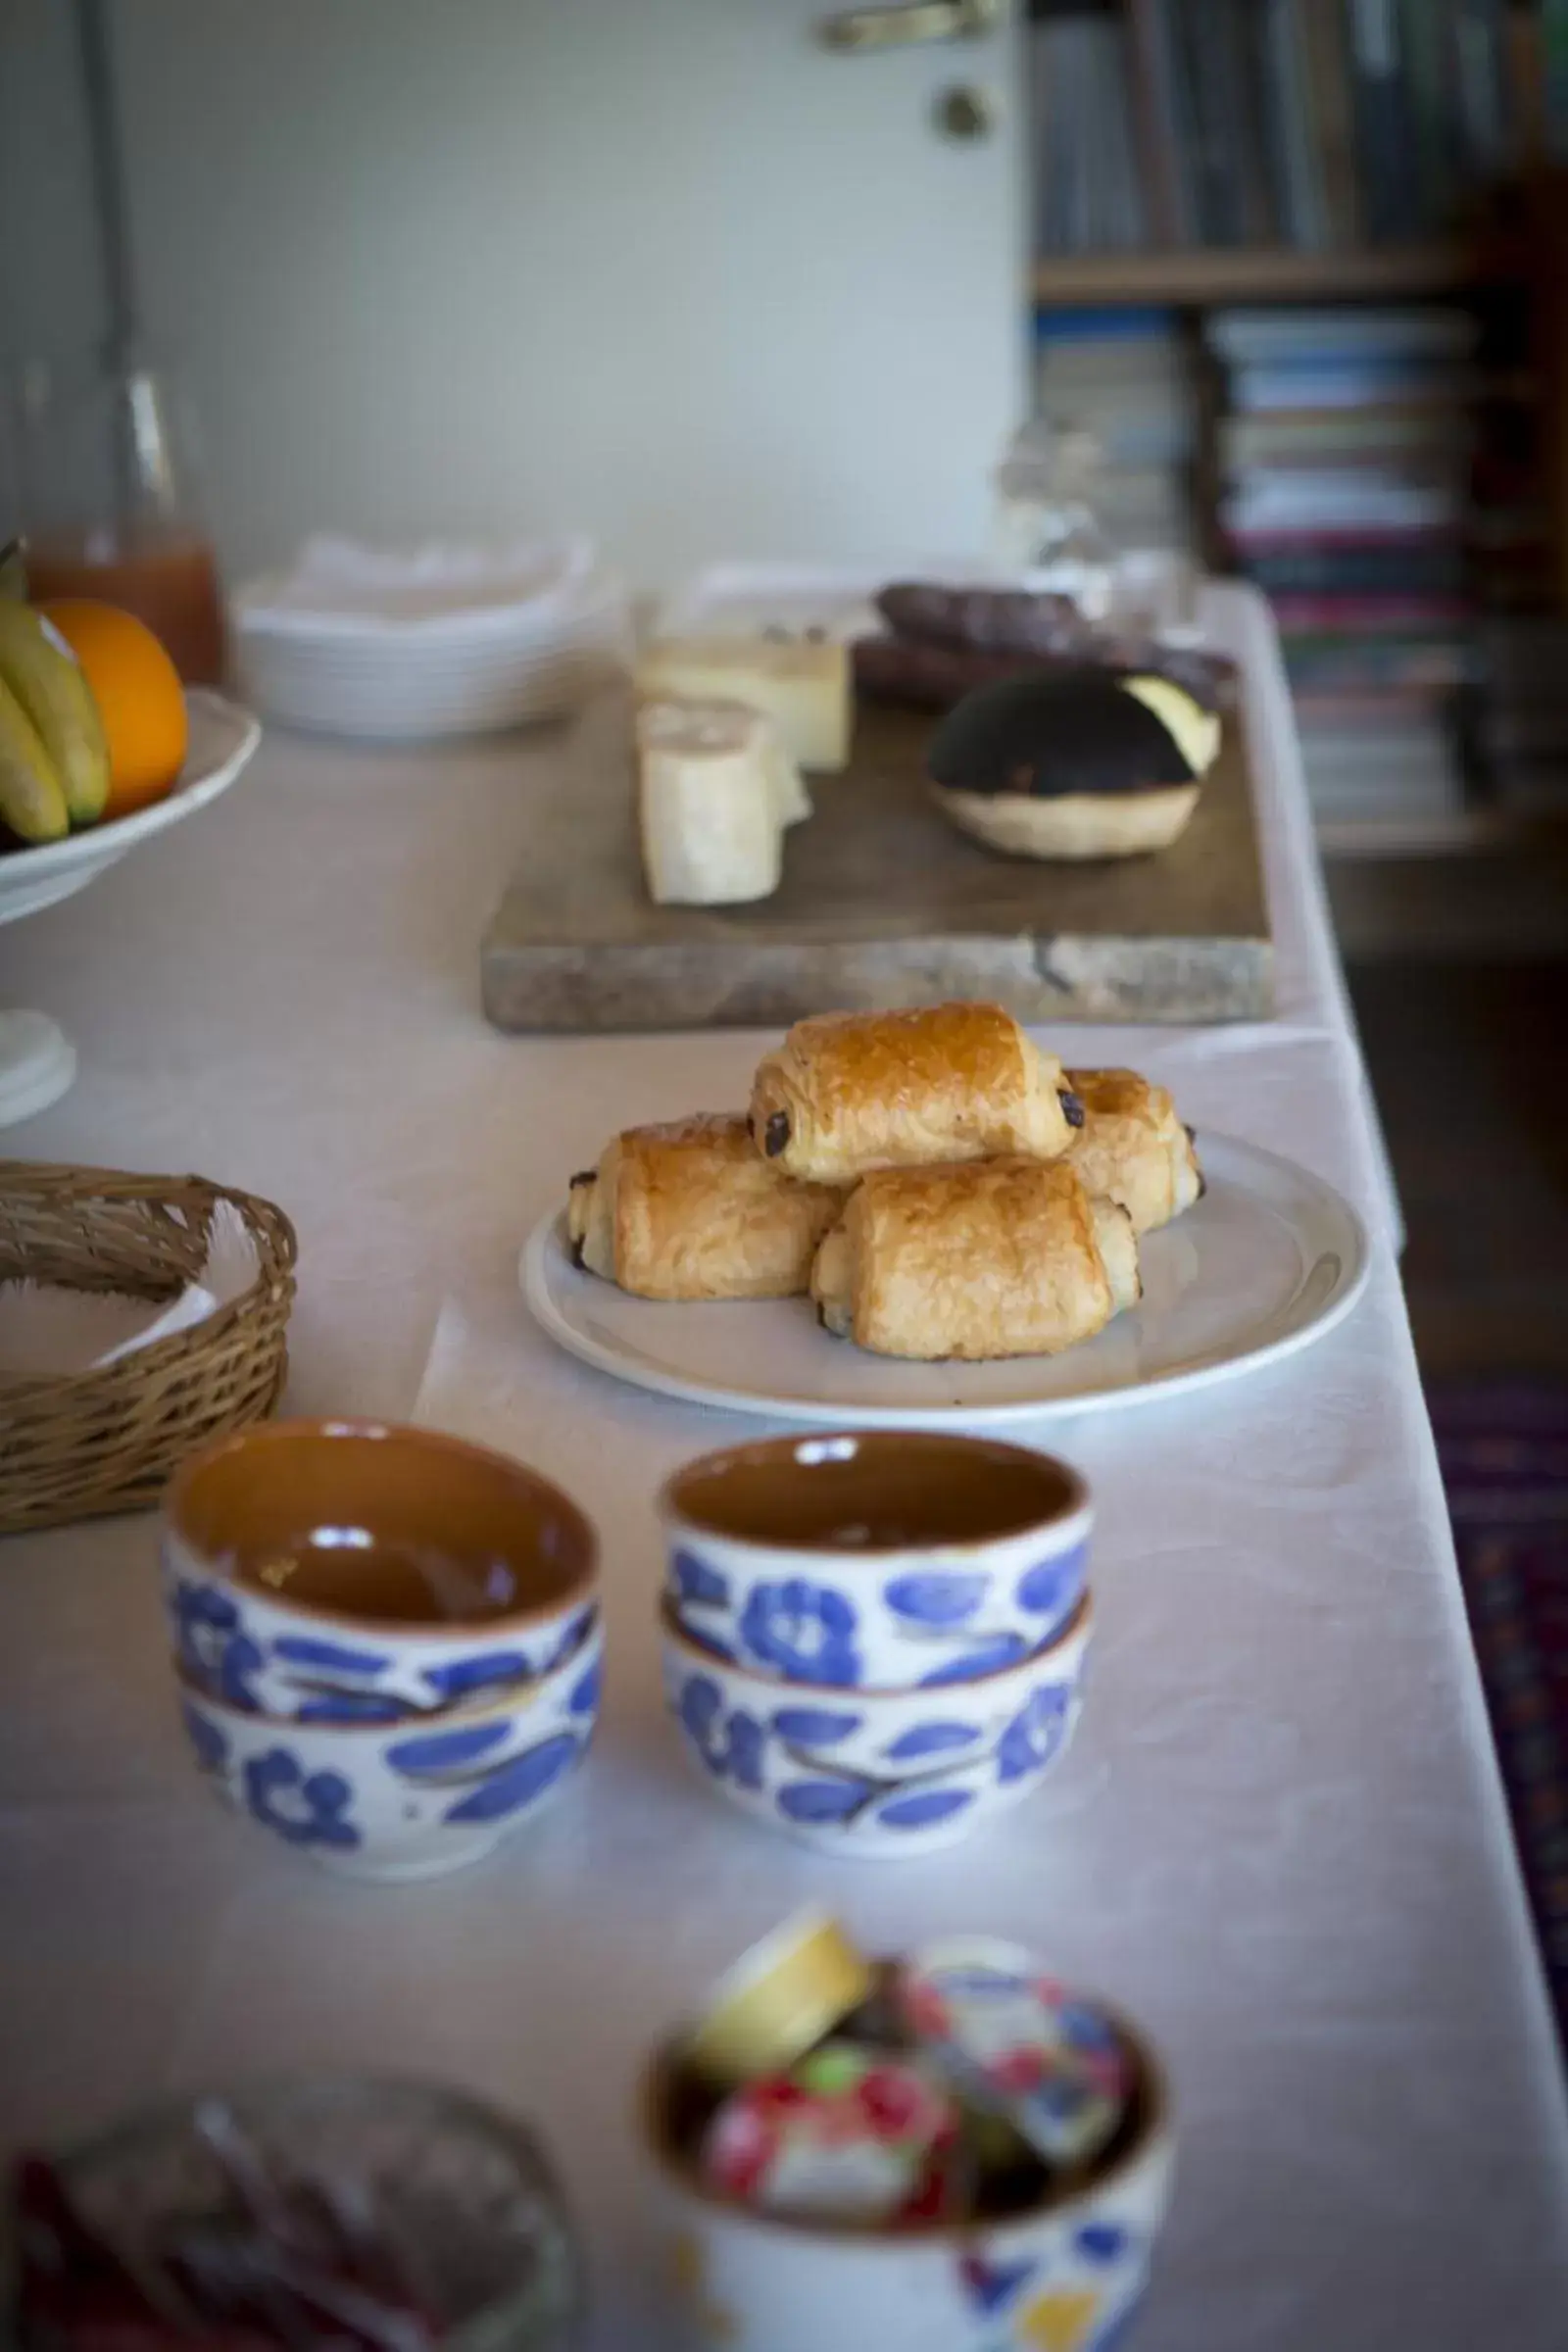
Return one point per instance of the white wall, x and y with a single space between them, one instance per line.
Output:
48 289
463 265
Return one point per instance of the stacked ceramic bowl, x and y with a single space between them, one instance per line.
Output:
872 1641
443 641
387 1643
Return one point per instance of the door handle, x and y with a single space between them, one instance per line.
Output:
861 29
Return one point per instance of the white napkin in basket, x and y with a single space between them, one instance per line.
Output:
49 1332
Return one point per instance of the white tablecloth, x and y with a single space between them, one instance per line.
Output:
1279 1838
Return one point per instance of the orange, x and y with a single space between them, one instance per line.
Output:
139 698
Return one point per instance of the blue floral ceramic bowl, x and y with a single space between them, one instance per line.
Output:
404 1800
874 1772
877 1560
347 1572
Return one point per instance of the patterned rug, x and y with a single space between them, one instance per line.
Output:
1503 1448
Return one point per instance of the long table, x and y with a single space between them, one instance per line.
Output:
1279 1840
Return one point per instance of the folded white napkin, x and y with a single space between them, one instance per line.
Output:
346 588
50 1331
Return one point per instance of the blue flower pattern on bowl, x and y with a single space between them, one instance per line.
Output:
328 1681
424 1773
929 1773
588 1688
463 1678
951 1624
1052 1588
986 1657
935 1599
1035 1733
306 1808
698 1582
731 1748
489 1780
212 1645
804 1632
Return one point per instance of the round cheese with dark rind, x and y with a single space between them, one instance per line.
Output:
1085 733
1089 764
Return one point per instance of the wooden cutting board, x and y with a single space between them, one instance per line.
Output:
882 903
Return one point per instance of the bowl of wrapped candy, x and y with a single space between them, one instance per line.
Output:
949 2152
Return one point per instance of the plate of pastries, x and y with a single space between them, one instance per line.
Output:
922 1216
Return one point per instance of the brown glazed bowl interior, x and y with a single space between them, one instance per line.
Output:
895 1488
270 1491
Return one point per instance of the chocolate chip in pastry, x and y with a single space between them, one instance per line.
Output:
996 1257
691 1211
1085 765
1133 1148
847 1091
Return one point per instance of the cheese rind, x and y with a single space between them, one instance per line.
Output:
1195 730
708 805
802 684
790 796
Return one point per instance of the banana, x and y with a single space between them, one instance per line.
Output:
14 571
47 681
32 801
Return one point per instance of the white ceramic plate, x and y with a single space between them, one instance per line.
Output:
389 658
222 738
386 691
1269 1261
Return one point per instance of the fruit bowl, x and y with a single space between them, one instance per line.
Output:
37 1062
222 738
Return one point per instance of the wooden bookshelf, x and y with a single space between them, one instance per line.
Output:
1459 834
1263 273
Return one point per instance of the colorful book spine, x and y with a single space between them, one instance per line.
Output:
1252 137
1205 80
1331 112
1298 162
1154 107
1393 570
1384 128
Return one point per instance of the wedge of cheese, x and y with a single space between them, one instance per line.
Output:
803 685
790 796
712 799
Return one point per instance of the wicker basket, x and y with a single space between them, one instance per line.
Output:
109 1439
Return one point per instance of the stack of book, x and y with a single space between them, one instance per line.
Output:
1312 124
1122 375
1344 460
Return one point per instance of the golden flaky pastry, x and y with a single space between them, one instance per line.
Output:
993 1257
691 1211
850 1092
1133 1148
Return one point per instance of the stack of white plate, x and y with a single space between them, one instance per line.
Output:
445 640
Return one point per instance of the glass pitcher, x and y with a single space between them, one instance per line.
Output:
109 508
1046 521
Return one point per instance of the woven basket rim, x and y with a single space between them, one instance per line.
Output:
270 1227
